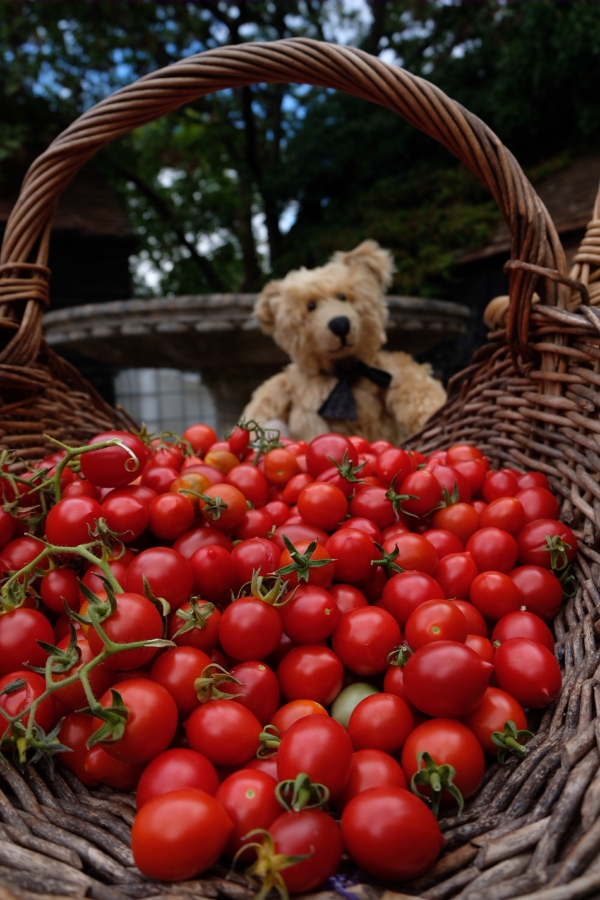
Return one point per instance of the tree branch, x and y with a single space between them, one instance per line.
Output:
214 280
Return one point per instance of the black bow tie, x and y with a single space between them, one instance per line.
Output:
341 403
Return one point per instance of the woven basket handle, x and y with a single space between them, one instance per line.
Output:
298 60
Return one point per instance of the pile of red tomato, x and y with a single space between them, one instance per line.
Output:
342 614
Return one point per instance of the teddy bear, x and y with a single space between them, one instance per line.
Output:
331 322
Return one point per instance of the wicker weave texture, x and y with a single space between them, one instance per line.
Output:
530 399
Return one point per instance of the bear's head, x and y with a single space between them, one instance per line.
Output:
319 316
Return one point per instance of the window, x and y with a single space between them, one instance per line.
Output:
165 399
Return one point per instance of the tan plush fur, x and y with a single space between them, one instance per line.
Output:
296 311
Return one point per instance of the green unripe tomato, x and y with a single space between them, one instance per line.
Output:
348 698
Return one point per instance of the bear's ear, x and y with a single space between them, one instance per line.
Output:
266 304
369 254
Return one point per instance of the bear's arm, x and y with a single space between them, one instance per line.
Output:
271 400
414 395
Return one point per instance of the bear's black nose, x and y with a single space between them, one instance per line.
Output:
340 326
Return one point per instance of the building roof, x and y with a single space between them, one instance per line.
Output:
88 206
568 195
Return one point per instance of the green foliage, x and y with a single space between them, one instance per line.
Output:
197 181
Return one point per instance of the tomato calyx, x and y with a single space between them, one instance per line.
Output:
557 548
208 686
194 617
302 563
398 499
114 718
263 440
213 506
568 581
160 603
301 793
438 778
268 865
449 499
399 656
270 740
269 588
346 469
387 560
509 742
23 737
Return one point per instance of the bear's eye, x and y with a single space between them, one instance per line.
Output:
341 296
311 305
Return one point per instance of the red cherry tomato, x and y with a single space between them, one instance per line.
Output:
496 708
151 724
327 447
170 516
481 645
69 522
214 571
319 576
528 671
58 584
494 594
17 701
380 722
445 542
249 629
499 484
226 733
201 437
347 597
173 770
168 573
309 615
319 746
251 482
353 552
364 637
322 505
461 519
533 479
455 575
177 671
114 466
448 743
446 679
258 690
179 835
506 513
311 833
435 620
475 622
203 631
541 589
404 592
415 553
248 798
534 541
75 730
226 508
253 555
135 619
371 768
20 631
524 624
390 833
493 550
204 536
311 672
393 465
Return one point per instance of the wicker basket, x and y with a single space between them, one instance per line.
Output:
529 398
